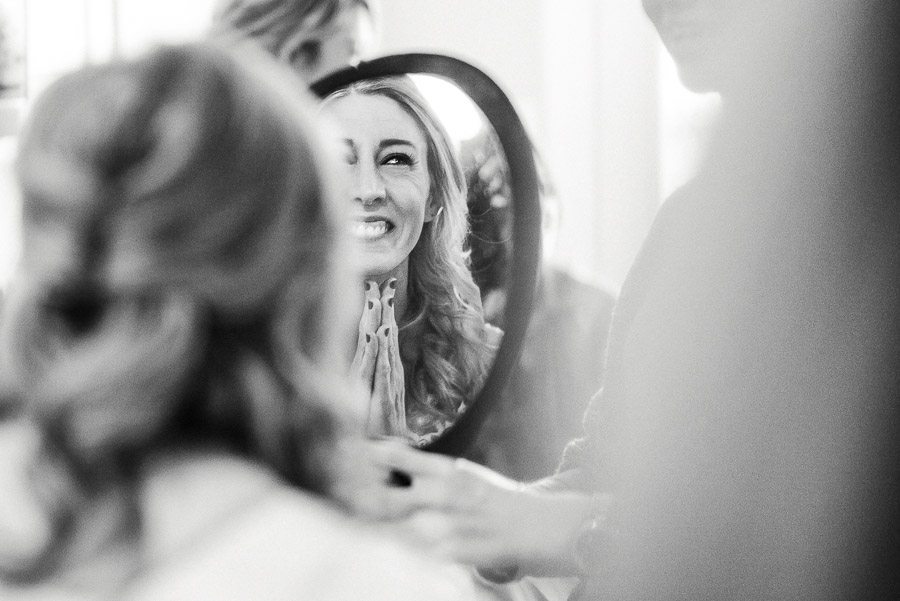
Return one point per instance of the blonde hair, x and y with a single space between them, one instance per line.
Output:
453 354
181 263
273 23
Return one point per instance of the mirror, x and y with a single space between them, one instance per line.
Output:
503 232
488 196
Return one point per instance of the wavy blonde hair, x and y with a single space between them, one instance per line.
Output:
182 257
273 24
446 362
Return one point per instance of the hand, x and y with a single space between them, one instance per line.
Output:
470 514
377 362
366 342
387 409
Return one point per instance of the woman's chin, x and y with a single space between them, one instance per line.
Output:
383 265
379 273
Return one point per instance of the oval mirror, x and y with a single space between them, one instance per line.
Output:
502 231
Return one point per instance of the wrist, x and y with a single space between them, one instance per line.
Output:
556 524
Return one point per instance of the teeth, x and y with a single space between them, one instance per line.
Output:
369 229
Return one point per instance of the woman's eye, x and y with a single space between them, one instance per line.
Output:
398 159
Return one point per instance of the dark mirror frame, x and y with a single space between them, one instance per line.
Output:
526 215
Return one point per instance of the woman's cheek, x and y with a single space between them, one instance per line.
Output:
412 199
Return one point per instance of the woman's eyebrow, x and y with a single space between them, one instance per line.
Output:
394 142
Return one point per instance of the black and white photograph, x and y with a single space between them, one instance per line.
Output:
456 300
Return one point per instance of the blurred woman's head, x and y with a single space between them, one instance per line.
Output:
180 280
315 37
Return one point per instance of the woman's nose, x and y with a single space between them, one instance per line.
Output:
368 185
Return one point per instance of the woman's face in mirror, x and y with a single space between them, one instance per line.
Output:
386 159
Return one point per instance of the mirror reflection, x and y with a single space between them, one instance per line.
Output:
424 347
432 254
488 194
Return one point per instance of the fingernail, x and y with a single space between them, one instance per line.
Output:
368 338
390 302
387 332
371 304
369 285
393 284
400 479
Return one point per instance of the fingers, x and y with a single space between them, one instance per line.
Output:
367 343
387 388
388 320
428 473
379 422
459 475
484 477
371 316
387 304
424 494
383 364
444 489
390 366
364 361
389 454
459 539
387 409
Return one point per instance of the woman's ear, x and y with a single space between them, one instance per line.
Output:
432 211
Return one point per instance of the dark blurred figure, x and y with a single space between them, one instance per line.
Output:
748 422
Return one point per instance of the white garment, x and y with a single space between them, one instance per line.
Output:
219 528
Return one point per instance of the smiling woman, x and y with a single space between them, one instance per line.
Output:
424 348
386 153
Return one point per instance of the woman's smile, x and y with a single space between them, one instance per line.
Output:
371 230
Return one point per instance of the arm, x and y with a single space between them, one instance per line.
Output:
470 514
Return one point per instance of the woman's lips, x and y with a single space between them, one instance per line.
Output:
370 230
